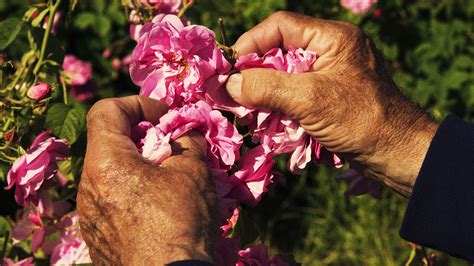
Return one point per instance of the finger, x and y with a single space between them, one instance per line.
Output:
285 29
192 145
109 124
118 115
189 157
274 90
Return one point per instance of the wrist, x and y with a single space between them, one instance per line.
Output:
403 143
165 253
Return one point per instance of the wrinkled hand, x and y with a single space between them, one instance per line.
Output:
348 102
136 213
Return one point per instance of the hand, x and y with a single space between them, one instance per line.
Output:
348 102
136 213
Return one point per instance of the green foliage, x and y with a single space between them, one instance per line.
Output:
9 29
66 122
428 47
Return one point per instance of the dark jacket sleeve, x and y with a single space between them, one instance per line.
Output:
440 213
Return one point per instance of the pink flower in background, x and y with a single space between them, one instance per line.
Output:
30 224
223 139
254 175
377 12
71 248
158 6
39 91
164 6
258 256
84 92
39 164
126 63
24 262
116 63
78 71
177 64
358 6
360 184
106 53
56 22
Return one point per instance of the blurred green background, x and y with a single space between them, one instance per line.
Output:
428 47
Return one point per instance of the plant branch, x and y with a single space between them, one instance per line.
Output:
52 12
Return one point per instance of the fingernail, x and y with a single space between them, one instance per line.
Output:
234 86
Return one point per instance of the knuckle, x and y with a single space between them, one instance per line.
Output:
351 32
99 108
280 15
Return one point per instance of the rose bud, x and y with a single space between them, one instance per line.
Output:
39 91
9 135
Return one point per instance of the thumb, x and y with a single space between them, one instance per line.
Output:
187 150
272 89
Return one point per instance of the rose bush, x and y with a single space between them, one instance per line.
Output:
52 71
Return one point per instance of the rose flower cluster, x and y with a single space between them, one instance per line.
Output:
182 66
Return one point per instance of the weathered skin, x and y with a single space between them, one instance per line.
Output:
133 212
349 102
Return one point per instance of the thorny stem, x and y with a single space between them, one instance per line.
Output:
6 158
411 258
63 85
7 124
52 12
13 100
186 5
5 244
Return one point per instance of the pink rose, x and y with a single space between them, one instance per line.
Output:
358 6
56 22
277 131
178 64
71 248
106 53
254 175
258 256
84 92
30 224
24 262
116 64
39 91
39 164
78 71
228 228
223 139
159 6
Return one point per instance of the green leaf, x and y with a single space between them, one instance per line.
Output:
66 122
85 20
4 226
9 29
245 229
103 26
4 167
